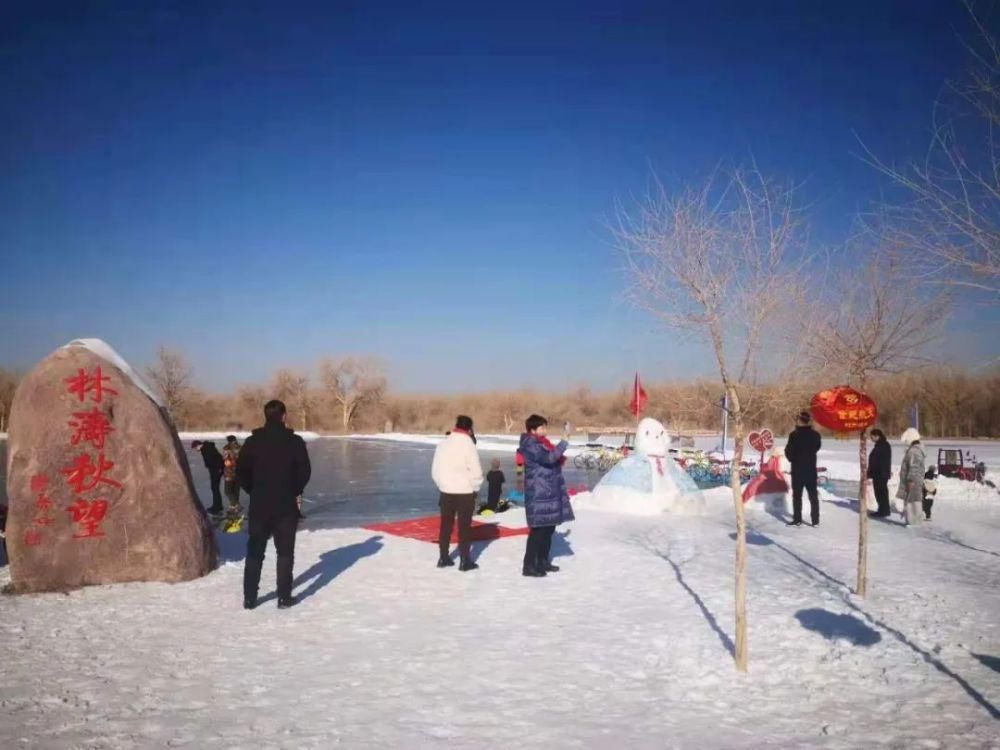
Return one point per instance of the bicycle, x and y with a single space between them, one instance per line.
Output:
602 461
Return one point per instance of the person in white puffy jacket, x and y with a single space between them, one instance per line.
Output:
911 478
458 475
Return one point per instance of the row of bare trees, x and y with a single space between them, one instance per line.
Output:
8 384
341 391
953 402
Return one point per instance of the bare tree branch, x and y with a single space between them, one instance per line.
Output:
353 383
171 375
950 218
724 260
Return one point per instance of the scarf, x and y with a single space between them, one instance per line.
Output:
547 445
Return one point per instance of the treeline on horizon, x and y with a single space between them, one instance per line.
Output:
952 403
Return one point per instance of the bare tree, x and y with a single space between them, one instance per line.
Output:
881 320
8 384
353 383
719 261
171 375
951 215
293 388
250 400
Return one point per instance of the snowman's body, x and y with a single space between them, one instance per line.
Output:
648 481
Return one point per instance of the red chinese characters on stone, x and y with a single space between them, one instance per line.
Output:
88 514
32 537
43 505
84 475
90 427
84 383
89 471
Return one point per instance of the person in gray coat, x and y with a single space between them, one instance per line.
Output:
911 478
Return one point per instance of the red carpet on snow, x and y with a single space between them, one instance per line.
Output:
426 529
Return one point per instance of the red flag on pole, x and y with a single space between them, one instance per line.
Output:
639 398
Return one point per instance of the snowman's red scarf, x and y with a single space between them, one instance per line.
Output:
547 445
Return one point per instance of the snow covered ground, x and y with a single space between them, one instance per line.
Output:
627 647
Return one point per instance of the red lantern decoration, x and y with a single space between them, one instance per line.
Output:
843 409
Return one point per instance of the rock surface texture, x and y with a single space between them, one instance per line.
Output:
99 486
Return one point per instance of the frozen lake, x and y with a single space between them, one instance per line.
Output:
356 482
361 481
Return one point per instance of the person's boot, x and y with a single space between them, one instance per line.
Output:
795 522
532 571
445 562
468 565
547 566
285 565
251 580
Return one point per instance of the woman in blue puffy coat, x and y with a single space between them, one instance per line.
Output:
546 500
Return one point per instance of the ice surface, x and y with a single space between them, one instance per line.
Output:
241 435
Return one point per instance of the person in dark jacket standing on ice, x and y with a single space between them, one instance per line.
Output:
216 467
800 450
880 471
273 469
546 501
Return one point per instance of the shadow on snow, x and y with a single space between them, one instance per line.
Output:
330 565
845 597
836 627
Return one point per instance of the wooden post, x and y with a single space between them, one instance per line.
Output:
862 586
741 655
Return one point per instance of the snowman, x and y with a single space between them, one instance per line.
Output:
648 481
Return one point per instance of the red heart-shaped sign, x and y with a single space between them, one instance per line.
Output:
761 441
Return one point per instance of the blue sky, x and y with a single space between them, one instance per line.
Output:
261 185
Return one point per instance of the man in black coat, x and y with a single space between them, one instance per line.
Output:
216 466
803 445
880 471
273 469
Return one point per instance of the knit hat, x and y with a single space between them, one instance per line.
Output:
910 436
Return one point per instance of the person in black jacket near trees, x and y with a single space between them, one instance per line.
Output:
803 445
216 466
273 469
880 471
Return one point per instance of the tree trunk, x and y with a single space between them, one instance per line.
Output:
736 412
347 415
862 586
